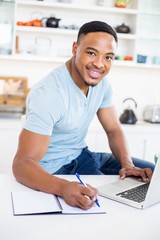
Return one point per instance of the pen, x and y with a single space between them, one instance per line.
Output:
80 180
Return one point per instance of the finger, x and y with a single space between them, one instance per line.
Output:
94 192
122 174
148 173
85 202
133 172
89 192
145 174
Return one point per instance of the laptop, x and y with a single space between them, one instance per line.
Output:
133 191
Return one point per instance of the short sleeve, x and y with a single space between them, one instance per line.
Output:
44 109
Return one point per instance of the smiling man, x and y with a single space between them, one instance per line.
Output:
60 109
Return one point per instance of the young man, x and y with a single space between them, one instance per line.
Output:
59 110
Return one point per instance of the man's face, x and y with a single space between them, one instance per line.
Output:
93 57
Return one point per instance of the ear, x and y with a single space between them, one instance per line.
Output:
74 48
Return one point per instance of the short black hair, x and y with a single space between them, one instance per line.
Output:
96 26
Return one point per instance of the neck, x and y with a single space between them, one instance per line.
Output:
76 76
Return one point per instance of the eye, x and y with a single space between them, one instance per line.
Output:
91 53
109 58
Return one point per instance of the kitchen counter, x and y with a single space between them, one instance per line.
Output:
140 126
143 126
10 123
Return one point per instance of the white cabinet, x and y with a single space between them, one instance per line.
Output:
54 44
71 17
9 132
152 145
148 31
142 138
6 26
40 42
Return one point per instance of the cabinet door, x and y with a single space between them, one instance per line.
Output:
148 42
9 142
102 142
6 27
137 144
96 138
98 141
152 146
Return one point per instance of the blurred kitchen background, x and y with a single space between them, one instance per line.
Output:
37 36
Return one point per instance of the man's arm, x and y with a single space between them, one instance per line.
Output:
31 148
118 144
26 169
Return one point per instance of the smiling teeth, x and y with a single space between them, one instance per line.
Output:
94 74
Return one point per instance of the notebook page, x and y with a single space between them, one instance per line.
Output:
34 202
67 209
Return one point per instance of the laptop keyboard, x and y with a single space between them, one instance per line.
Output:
136 194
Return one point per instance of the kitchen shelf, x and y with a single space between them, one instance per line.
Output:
150 38
126 36
62 31
136 65
70 6
59 60
129 44
33 58
149 13
7 2
67 12
46 30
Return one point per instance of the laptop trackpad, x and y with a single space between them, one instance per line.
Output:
120 185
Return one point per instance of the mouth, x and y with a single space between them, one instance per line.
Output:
95 74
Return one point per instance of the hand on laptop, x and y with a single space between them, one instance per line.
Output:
145 173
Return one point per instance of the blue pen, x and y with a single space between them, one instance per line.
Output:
78 176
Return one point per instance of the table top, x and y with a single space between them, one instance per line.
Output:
120 221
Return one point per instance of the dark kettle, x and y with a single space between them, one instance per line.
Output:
122 28
53 22
128 116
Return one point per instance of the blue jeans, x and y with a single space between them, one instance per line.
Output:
92 163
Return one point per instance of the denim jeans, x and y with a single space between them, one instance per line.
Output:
92 163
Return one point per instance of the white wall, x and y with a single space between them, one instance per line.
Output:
142 84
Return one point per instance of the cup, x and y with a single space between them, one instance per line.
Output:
141 58
156 60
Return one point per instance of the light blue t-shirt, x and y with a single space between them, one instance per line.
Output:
57 107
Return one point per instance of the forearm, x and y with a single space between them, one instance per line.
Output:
32 175
119 147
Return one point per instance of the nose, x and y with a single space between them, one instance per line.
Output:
98 62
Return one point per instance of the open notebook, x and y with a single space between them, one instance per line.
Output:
35 202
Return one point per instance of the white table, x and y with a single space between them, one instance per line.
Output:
121 222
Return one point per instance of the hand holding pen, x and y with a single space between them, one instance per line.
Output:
80 180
